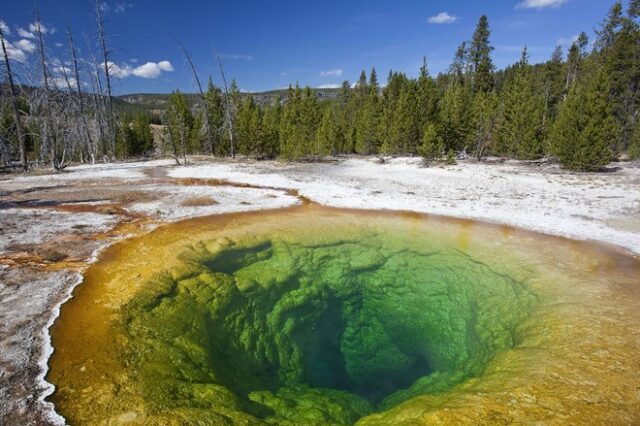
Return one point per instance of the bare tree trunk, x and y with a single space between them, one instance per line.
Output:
46 131
89 142
207 107
171 139
228 107
105 54
99 102
4 151
480 139
14 105
572 75
95 87
183 138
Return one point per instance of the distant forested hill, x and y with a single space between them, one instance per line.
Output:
156 102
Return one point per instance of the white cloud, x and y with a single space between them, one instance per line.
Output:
165 66
5 28
61 83
329 86
14 53
24 33
118 71
61 69
33 28
25 45
152 69
133 60
332 73
104 6
59 44
148 70
540 4
442 18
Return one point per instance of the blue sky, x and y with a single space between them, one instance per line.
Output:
268 44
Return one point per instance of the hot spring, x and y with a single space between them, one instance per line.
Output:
315 316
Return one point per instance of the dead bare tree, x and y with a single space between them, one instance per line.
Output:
79 98
99 104
111 134
228 112
5 145
73 124
203 98
65 128
42 101
169 135
14 104
182 131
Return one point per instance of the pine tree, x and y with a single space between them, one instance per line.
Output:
610 27
634 146
362 89
134 136
520 125
373 81
300 120
483 117
180 125
368 119
404 134
451 157
271 129
246 127
480 57
235 95
432 144
455 116
256 132
290 132
197 138
310 120
214 100
586 128
620 51
574 66
144 138
427 97
634 9
125 137
327 132
367 124
233 104
553 84
458 67
343 117
389 102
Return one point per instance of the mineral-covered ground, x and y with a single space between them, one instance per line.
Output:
54 227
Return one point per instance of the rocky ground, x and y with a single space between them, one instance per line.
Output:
53 225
